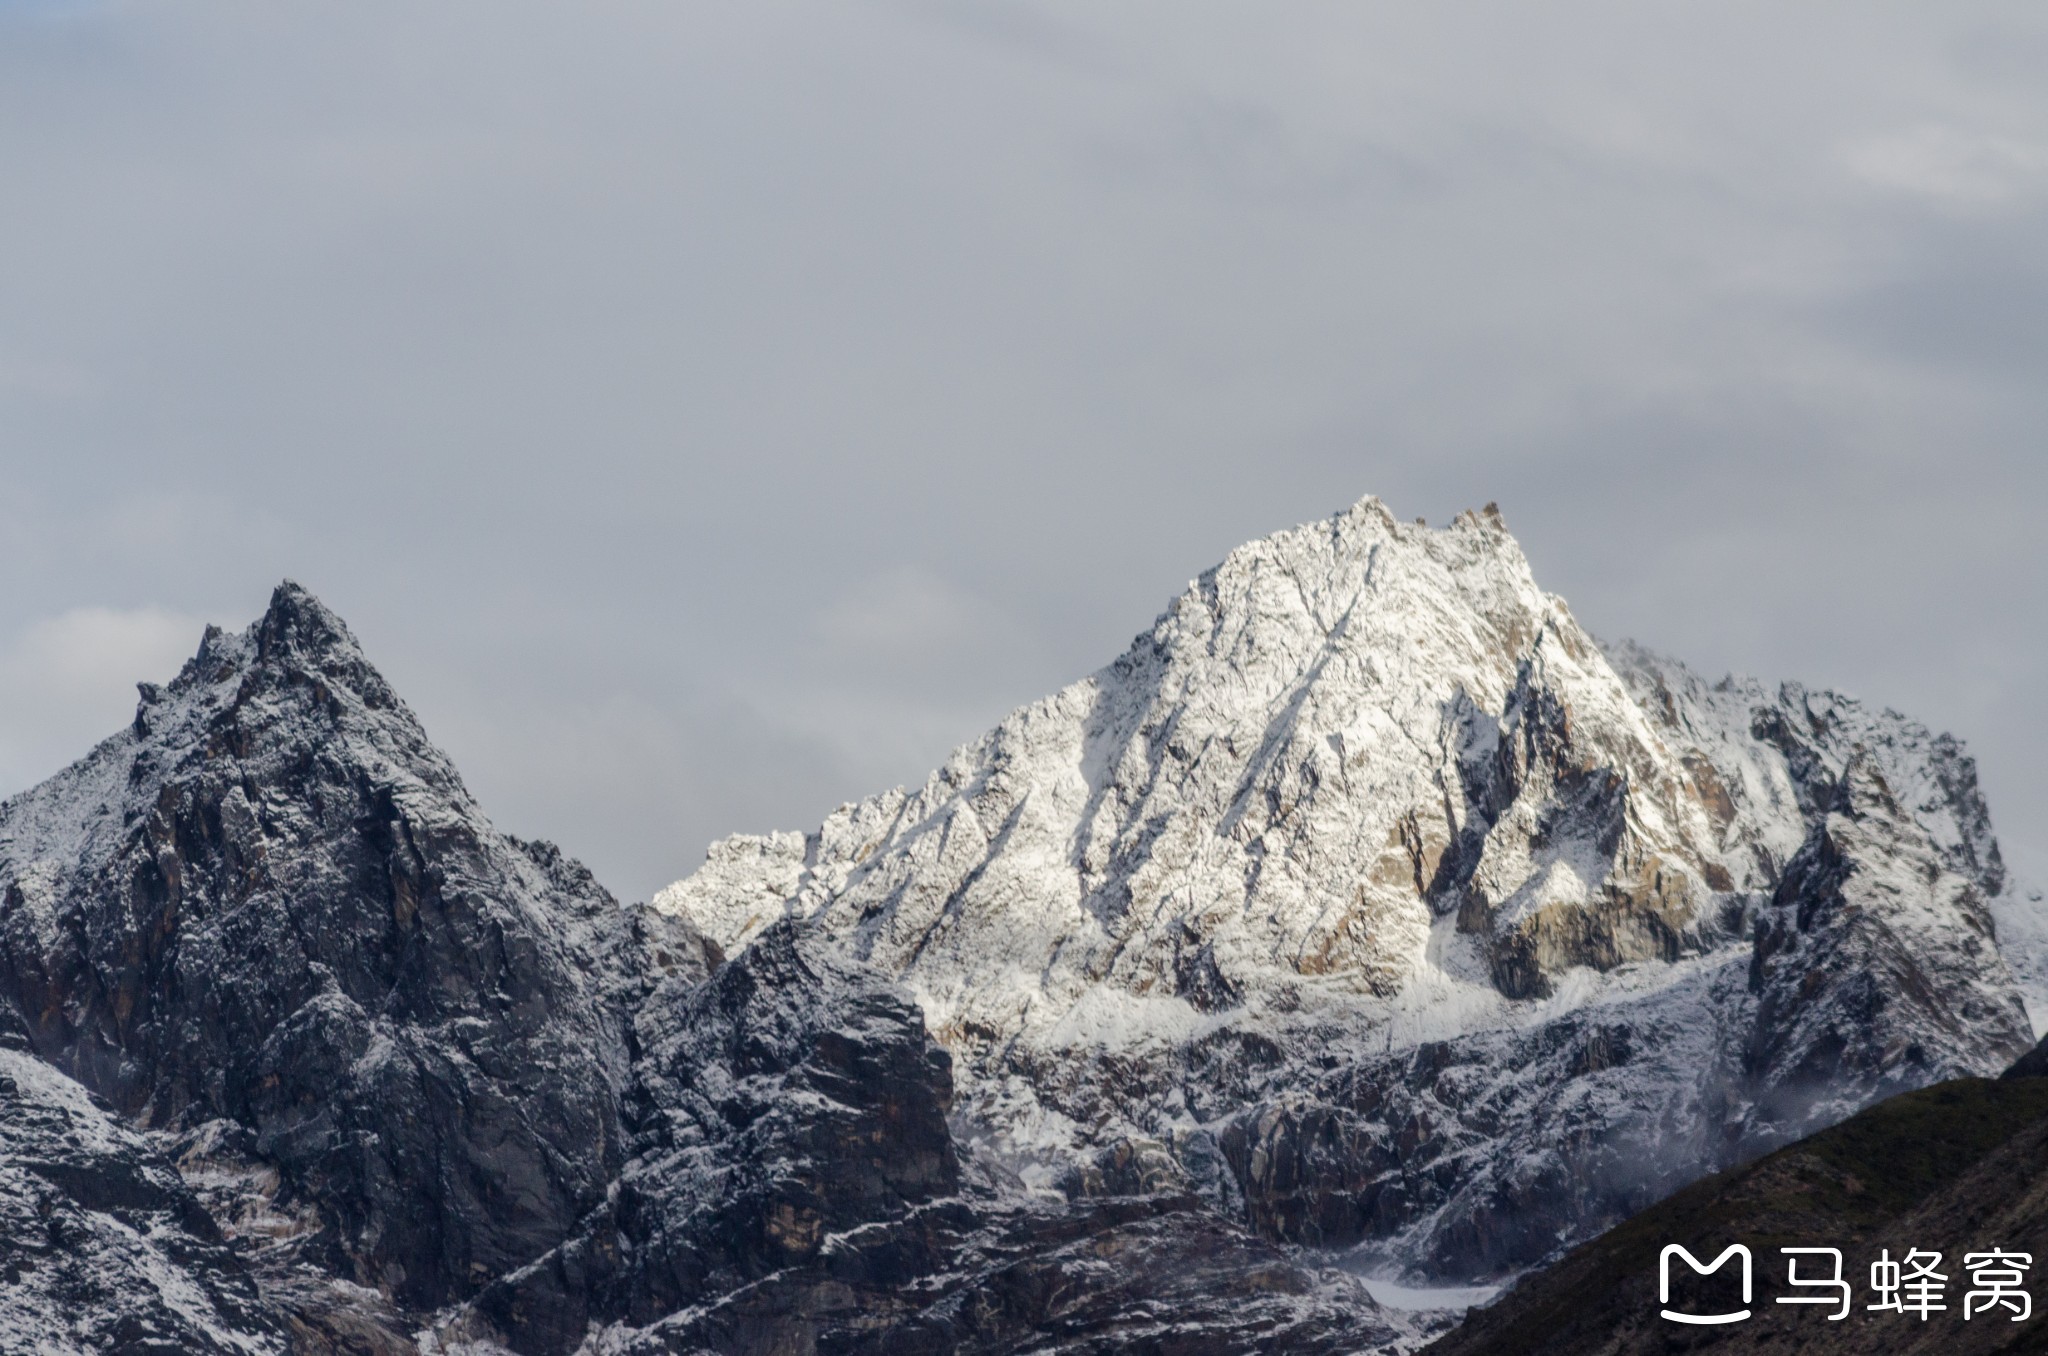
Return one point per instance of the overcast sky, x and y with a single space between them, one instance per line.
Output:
709 413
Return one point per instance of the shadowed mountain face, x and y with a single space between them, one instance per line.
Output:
794 1167
271 902
102 1246
1958 1168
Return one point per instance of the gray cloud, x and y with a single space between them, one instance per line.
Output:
709 413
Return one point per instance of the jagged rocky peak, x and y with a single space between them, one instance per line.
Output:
271 904
296 635
1341 749
1788 748
1876 960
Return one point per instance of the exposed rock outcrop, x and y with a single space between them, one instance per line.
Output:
1873 966
271 902
796 1189
790 1099
103 1249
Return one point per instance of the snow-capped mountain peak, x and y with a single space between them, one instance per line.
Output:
1362 787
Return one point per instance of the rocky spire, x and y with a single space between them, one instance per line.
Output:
284 911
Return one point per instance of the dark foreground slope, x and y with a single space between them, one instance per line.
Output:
1956 1168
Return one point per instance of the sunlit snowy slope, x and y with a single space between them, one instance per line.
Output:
1371 896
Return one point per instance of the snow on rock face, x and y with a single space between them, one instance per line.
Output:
1156 1273
1337 736
792 1097
103 1251
1390 905
1875 965
795 1187
1779 756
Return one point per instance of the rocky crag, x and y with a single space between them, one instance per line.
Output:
102 1245
1373 899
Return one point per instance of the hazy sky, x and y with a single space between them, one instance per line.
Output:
708 413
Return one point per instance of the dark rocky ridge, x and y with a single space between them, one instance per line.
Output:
988 1273
788 1099
794 1165
1847 982
279 907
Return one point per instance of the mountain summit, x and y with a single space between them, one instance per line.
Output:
1385 905
268 916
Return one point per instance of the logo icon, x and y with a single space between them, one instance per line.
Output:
1664 1281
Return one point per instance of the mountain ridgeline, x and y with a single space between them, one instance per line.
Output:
1366 916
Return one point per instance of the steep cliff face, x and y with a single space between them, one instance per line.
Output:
272 903
1393 910
790 1099
1873 966
994 1274
1779 757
